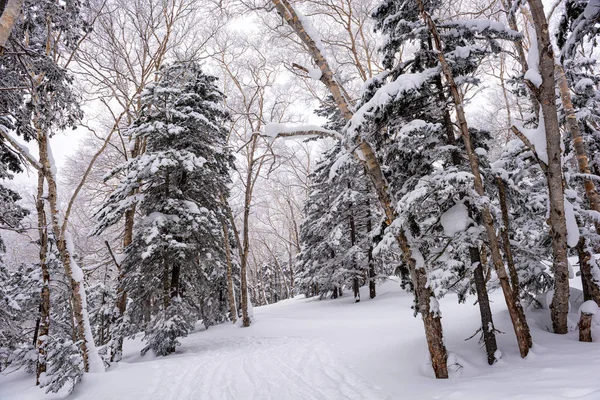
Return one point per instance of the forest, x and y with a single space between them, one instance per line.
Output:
171 166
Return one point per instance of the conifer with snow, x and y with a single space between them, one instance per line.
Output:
176 262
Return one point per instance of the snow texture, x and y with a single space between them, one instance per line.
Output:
537 137
589 307
273 130
315 73
302 348
308 349
455 220
572 227
533 60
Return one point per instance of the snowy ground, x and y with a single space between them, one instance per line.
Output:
335 349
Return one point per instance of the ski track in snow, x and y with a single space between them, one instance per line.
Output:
258 368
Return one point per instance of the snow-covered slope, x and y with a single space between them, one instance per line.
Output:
336 349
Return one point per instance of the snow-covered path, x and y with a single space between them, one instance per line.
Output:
257 368
336 349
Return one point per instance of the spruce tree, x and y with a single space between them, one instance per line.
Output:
176 263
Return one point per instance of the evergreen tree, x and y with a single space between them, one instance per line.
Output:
176 263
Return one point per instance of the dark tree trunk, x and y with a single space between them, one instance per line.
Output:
487 323
372 290
355 283
175 271
512 271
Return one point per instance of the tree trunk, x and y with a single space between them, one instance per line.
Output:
230 290
558 227
355 284
590 288
166 289
175 273
585 327
487 323
514 308
9 14
512 270
372 289
121 302
44 319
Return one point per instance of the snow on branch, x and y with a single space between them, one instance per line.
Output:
582 26
20 149
535 141
485 27
388 93
274 131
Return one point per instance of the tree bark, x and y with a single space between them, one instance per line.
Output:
514 308
245 251
230 290
355 284
44 320
558 227
591 290
585 327
10 13
372 288
487 323
512 270
175 274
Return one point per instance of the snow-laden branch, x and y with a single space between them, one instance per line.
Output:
388 93
537 147
274 131
19 148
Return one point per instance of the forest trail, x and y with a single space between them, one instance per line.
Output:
307 349
258 368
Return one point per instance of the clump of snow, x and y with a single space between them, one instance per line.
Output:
315 73
418 257
480 151
434 306
341 160
572 228
455 220
311 31
589 307
537 137
533 60
273 130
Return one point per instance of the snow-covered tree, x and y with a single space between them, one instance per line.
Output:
176 262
